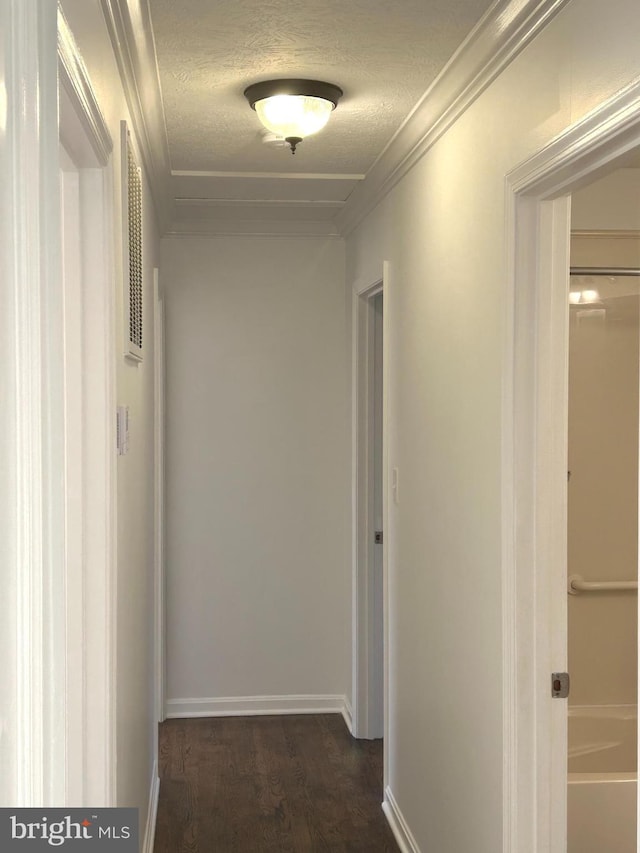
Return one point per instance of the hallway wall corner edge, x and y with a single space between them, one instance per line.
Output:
398 823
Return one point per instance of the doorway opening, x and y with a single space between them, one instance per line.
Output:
370 521
602 534
376 667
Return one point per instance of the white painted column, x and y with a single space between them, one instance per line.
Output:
32 740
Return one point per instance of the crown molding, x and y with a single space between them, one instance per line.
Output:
500 35
135 53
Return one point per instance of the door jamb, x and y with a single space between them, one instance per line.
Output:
159 572
362 307
534 463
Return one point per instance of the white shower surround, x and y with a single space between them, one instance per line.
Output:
601 806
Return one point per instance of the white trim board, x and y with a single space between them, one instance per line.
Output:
152 812
32 496
248 706
285 176
398 824
500 35
89 299
265 227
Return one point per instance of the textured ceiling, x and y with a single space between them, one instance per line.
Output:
384 55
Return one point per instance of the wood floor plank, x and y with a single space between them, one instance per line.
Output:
285 784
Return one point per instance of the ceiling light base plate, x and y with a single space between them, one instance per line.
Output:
314 88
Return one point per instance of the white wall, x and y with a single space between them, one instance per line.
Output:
442 229
134 665
258 468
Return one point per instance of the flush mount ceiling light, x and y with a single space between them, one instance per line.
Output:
293 109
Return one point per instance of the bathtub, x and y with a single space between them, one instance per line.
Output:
601 794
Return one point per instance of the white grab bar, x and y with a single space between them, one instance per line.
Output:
577 584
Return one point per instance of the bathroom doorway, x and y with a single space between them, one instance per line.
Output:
535 454
602 513
370 509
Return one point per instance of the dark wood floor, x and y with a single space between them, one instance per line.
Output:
286 784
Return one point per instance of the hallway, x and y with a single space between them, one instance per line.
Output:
185 331
256 784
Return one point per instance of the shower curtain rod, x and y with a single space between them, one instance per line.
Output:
610 271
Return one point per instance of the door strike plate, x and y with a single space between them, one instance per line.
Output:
378 537
559 685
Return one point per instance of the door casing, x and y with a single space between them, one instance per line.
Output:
89 384
364 722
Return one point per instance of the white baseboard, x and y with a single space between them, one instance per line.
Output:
347 713
399 826
247 706
152 812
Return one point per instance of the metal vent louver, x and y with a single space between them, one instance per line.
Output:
132 238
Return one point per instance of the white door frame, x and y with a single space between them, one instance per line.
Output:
32 748
362 724
90 404
159 572
50 541
534 466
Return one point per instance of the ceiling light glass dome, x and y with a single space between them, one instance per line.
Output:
293 109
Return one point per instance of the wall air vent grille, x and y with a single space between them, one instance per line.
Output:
135 250
132 240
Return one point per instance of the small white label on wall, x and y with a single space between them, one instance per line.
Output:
122 430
